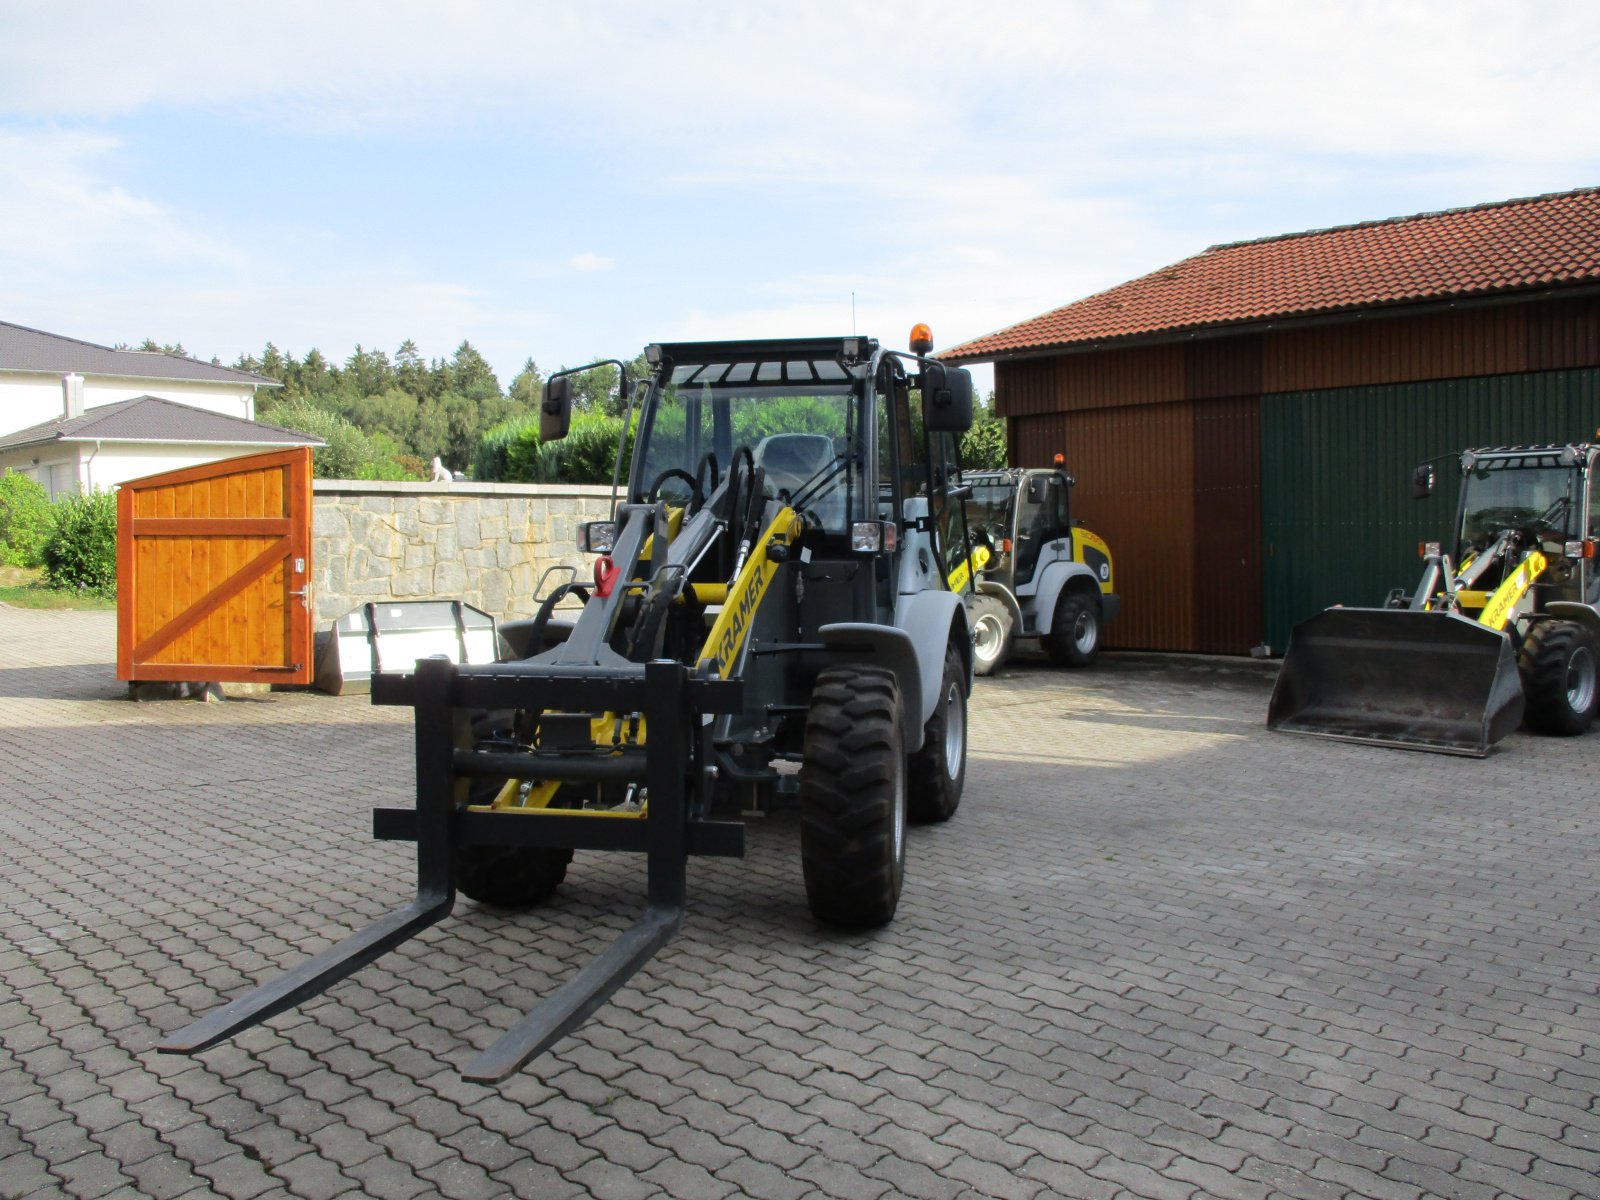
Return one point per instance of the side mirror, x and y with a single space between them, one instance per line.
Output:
1422 481
947 398
555 409
1038 489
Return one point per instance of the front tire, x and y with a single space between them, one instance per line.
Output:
1559 678
992 633
1074 637
938 771
853 798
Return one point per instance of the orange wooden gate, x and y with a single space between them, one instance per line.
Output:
212 564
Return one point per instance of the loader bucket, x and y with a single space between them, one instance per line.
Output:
1397 677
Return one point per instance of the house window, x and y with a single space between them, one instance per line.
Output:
62 480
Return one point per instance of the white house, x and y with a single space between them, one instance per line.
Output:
77 416
129 439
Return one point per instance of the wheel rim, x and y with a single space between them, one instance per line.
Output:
1083 632
955 730
1580 680
986 637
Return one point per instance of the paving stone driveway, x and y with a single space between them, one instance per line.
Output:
1158 953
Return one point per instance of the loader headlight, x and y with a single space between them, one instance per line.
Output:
597 537
1583 549
874 537
1429 549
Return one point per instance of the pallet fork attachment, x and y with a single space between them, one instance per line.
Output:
672 701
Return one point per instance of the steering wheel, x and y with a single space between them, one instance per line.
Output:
696 496
1551 516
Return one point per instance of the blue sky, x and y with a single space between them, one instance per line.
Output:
562 184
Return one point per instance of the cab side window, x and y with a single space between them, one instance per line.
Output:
1591 567
1042 517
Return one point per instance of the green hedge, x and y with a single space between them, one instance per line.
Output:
511 452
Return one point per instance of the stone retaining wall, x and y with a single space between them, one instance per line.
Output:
485 543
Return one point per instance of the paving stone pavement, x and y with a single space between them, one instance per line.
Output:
1159 952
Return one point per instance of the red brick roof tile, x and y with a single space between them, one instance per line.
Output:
1512 245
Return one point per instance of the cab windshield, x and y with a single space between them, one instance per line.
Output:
801 435
1529 492
989 508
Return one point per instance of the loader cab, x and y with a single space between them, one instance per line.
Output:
1017 514
782 420
827 439
1043 517
1517 499
832 429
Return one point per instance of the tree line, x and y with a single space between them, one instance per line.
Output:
386 417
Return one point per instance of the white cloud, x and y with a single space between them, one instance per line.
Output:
971 166
827 94
821 78
63 212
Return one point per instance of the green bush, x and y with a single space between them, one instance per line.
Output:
511 452
389 464
347 453
24 520
81 552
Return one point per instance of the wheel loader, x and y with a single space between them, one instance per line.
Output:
1038 573
1501 628
767 623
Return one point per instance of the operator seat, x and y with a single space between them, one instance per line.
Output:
791 460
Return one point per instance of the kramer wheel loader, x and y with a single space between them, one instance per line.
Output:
1504 629
768 595
1040 574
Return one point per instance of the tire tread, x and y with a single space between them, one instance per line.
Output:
852 755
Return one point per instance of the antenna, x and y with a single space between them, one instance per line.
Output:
852 314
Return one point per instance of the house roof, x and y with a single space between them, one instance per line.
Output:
24 349
153 419
1534 243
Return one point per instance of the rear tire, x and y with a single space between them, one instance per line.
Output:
938 771
1559 678
1074 637
853 798
992 634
